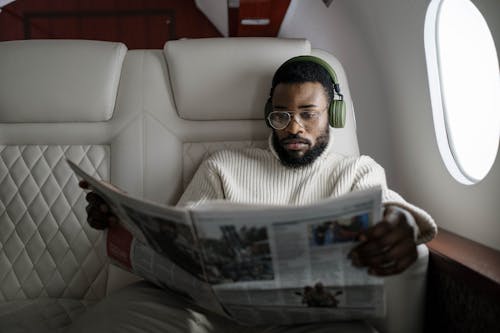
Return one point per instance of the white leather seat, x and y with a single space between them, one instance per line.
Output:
57 101
143 119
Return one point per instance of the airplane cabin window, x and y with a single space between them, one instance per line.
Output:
464 82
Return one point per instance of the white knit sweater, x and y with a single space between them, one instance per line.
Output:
257 176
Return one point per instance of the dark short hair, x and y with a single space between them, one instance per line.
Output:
302 72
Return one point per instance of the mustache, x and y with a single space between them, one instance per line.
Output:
294 138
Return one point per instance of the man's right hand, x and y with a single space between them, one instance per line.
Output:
99 214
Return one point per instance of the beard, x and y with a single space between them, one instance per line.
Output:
309 156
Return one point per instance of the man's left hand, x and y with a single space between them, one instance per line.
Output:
388 247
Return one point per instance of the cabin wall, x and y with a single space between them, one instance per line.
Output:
491 12
332 30
381 44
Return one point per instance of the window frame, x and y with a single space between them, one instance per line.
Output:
442 127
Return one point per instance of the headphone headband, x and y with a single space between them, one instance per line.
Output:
319 61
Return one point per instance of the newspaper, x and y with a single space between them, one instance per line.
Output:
258 265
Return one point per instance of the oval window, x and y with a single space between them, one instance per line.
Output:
464 82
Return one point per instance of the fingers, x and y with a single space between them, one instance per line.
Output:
99 214
94 198
387 256
83 184
381 238
391 260
395 267
388 247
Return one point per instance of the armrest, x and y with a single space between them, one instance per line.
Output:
463 285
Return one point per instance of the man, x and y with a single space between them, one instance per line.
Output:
299 167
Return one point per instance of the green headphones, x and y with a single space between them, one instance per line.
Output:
337 109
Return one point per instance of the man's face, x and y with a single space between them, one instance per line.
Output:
300 144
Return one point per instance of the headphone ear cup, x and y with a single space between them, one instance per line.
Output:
267 110
337 114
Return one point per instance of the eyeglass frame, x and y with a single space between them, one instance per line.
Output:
293 115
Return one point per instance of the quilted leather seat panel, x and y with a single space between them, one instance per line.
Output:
46 247
40 315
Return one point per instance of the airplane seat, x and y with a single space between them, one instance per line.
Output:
57 101
144 119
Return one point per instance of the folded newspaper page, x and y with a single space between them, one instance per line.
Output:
289 264
256 264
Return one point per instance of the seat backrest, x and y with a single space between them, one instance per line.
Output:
57 101
201 95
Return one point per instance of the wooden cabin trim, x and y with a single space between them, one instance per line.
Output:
272 10
109 14
468 259
136 23
463 286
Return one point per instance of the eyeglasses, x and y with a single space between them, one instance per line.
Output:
281 119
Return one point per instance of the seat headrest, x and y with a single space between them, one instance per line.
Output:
59 80
206 74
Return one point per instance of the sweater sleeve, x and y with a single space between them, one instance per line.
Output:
206 185
369 173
